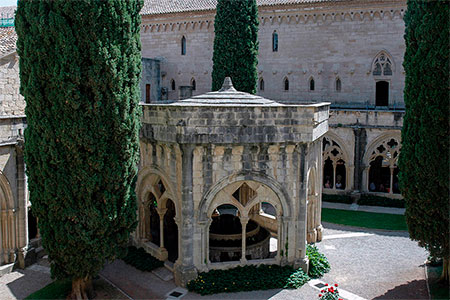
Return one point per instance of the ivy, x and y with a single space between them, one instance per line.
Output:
318 262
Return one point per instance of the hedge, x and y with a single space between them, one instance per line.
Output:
337 198
373 200
141 260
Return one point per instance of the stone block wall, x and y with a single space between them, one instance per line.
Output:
11 102
326 42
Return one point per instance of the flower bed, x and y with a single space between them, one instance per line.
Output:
141 260
330 293
318 263
248 278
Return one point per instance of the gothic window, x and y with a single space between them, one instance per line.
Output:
275 41
172 84
193 84
311 84
261 84
334 166
383 168
183 46
338 85
382 65
286 84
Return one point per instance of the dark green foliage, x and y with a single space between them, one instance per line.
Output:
236 45
337 198
318 263
367 199
424 159
79 71
141 260
248 278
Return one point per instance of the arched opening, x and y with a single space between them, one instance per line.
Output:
225 234
275 41
171 231
183 46
383 170
262 241
172 85
261 84
193 84
153 233
334 165
338 85
382 93
286 84
312 84
32 225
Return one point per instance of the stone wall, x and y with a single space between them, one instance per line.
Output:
323 42
11 102
150 75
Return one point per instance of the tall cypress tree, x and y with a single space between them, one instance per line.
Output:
80 64
424 160
236 44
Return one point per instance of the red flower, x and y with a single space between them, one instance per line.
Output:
336 285
326 284
320 295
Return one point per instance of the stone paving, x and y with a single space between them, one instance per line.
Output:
370 264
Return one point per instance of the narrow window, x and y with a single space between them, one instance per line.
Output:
172 85
382 93
286 84
147 93
183 46
338 85
261 84
275 41
311 84
193 84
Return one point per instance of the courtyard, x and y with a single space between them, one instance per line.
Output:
367 264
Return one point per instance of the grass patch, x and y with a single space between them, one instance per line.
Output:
364 219
141 260
58 289
248 278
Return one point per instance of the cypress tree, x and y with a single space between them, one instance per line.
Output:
236 44
424 160
80 65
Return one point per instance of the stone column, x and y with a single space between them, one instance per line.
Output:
184 268
161 213
244 221
334 175
360 147
391 181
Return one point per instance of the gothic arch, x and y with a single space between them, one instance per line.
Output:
336 164
282 205
382 57
8 216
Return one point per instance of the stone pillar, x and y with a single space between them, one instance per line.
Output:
184 269
161 213
312 224
244 221
391 182
360 147
334 175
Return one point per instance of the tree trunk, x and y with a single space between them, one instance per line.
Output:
82 289
445 276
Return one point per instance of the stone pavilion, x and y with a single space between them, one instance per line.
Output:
228 178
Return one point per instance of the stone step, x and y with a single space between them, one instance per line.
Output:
5 269
163 273
40 252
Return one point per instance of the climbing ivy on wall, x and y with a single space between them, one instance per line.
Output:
424 159
80 65
236 44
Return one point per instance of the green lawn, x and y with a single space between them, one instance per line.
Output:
364 219
58 289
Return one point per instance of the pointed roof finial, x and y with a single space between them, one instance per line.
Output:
227 85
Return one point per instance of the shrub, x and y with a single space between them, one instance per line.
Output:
330 293
337 198
318 263
373 200
248 278
141 260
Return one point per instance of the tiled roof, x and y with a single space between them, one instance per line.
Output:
154 7
8 38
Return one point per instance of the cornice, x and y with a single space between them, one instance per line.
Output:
285 16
